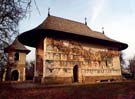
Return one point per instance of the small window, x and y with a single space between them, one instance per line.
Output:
109 62
16 56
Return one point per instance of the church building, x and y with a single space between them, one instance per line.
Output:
68 51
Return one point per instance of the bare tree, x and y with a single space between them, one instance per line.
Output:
30 70
11 12
122 60
132 65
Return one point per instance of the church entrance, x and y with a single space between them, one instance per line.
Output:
75 73
14 75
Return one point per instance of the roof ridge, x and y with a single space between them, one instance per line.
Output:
69 20
66 19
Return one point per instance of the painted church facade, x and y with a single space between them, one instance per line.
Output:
66 61
68 51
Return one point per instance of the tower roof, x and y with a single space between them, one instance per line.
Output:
65 26
16 46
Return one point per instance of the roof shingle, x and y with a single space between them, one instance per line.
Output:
16 46
65 25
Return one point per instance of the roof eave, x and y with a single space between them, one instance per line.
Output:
33 37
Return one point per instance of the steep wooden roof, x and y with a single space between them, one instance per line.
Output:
64 26
16 46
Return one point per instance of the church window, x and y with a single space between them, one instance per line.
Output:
16 56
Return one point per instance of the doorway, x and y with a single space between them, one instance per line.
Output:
14 75
75 73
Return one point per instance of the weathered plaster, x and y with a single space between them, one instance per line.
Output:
57 58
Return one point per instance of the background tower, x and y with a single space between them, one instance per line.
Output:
16 54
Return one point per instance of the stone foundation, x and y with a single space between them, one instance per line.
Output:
37 79
58 80
68 80
53 80
101 79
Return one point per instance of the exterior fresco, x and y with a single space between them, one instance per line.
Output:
60 57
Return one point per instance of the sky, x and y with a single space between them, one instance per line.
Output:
116 16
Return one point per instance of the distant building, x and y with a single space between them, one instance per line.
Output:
16 54
68 51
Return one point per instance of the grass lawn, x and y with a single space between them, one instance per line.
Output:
119 90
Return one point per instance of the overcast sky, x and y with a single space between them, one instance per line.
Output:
116 16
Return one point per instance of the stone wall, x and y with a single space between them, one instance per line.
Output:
39 60
21 65
15 65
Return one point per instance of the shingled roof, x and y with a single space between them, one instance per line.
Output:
16 46
65 26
